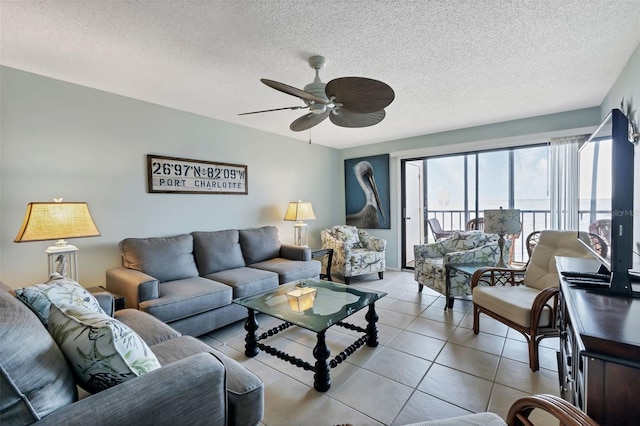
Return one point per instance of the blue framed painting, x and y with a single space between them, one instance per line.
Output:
366 182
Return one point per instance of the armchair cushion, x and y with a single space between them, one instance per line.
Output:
57 290
541 271
259 244
101 350
511 302
164 258
217 251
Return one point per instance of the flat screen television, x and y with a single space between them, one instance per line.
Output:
605 177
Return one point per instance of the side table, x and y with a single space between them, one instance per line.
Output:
321 252
119 302
466 268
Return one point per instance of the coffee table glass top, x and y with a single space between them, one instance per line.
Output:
331 303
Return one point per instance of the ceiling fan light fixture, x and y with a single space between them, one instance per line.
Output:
317 108
347 101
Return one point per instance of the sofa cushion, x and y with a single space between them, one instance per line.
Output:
259 244
246 281
164 258
217 251
290 270
102 351
184 298
150 329
57 290
35 379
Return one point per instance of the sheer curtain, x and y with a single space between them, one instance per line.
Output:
563 180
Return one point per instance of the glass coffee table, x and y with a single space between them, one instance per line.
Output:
315 305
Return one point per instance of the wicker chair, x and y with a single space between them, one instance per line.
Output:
437 231
597 242
601 227
476 224
526 299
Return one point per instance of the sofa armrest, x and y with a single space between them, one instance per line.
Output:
134 285
191 390
291 252
106 302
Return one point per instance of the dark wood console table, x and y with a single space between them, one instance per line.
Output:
599 358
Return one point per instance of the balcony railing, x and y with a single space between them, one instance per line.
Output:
532 220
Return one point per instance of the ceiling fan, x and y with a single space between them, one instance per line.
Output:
347 101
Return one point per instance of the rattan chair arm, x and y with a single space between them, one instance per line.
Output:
566 413
495 276
539 303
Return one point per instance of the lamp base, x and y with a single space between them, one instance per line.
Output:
63 260
501 263
300 234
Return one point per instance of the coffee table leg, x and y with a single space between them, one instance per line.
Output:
372 330
251 325
321 378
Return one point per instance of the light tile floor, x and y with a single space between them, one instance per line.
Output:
429 364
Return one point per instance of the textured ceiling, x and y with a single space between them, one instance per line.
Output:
452 64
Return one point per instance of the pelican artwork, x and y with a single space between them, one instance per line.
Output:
368 216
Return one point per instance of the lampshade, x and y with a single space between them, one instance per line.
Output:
298 210
56 221
502 221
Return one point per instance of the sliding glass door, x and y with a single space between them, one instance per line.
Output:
458 188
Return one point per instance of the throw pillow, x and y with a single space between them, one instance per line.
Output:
101 350
59 289
259 244
163 258
217 251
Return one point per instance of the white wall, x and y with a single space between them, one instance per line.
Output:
628 87
64 140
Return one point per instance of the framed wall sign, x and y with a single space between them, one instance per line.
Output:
186 176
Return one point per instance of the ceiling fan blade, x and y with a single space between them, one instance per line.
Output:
275 109
290 90
359 94
309 120
344 118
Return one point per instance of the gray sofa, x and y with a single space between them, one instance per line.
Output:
188 281
194 385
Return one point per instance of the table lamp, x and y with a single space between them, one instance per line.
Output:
299 211
501 222
58 220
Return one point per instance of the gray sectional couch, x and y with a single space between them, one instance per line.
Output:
195 384
188 281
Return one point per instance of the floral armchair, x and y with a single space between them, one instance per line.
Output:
355 252
471 247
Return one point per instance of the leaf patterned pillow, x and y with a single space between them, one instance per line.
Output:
101 350
58 290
